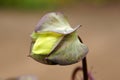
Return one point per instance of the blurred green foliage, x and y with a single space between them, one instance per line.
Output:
46 4
101 2
33 4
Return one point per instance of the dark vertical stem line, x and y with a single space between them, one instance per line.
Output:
84 64
85 71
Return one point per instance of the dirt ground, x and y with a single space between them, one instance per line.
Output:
100 32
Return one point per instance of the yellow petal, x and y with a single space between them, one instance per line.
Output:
46 42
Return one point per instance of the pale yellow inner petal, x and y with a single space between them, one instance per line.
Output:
45 42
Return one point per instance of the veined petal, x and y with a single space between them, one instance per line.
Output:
55 22
69 51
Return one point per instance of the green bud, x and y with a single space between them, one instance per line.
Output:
55 42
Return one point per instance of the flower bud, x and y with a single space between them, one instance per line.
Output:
55 42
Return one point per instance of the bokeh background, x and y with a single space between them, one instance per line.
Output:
100 32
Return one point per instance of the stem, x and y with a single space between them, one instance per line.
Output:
84 63
85 71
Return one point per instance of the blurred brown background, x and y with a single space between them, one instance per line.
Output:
100 31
